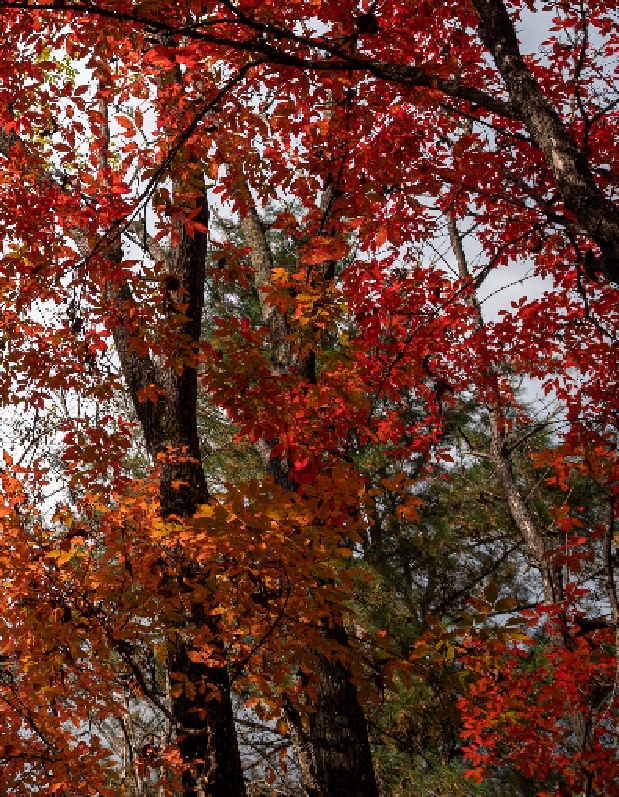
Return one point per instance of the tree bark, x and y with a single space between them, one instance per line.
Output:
533 537
333 750
203 711
597 215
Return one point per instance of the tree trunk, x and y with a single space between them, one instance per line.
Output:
533 537
203 711
202 715
597 215
333 751
210 751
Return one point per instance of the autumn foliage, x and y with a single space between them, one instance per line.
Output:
284 215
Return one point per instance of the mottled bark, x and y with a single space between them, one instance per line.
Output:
332 749
533 536
262 263
597 215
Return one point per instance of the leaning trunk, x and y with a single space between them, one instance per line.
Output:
534 538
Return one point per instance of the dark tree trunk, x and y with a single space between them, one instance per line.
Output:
334 751
203 711
202 715
210 750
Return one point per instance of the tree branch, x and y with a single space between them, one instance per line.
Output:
596 214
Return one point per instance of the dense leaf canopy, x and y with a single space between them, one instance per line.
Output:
243 352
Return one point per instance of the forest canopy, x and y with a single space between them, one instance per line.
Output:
284 508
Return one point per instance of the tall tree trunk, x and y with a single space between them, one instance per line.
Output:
333 749
203 712
534 538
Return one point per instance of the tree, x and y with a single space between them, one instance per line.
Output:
119 120
450 64
581 732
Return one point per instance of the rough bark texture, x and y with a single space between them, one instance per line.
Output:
333 750
262 263
338 737
170 429
532 535
597 215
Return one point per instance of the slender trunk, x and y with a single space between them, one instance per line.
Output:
333 749
167 729
609 578
130 764
533 537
